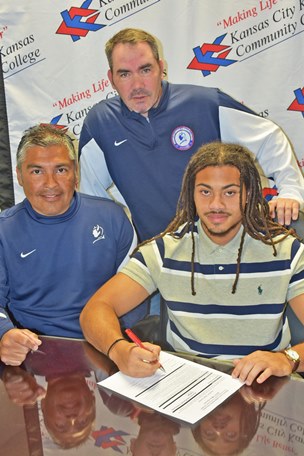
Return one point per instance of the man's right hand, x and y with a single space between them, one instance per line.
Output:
135 361
16 344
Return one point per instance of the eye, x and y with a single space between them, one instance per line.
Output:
61 170
205 192
231 193
124 75
36 171
231 436
146 70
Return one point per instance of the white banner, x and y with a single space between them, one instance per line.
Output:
55 69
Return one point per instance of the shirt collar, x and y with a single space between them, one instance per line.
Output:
50 220
210 247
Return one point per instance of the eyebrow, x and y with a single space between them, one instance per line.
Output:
224 188
142 67
59 165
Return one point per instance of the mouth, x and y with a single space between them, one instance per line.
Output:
139 98
51 197
217 217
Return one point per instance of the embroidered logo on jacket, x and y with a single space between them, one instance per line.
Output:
182 138
98 233
24 255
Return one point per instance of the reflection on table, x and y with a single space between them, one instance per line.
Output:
51 405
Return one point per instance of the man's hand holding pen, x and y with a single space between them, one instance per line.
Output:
135 360
140 344
16 344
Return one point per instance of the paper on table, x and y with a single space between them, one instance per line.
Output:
186 391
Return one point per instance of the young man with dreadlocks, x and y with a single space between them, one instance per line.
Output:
225 270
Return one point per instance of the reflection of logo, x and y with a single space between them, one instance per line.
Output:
298 102
73 25
98 233
182 138
206 61
109 438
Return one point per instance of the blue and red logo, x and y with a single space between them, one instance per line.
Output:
269 192
210 56
73 23
298 102
55 122
107 437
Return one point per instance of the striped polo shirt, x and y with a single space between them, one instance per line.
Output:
215 322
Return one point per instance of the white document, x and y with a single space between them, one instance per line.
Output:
187 391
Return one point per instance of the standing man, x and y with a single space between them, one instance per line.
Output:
142 140
225 270
57 247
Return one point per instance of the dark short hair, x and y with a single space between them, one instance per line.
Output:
44 135
130 36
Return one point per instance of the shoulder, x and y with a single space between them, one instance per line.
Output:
192 91
104 207
94 201
104 108
12 212
211 98
287 247
169 245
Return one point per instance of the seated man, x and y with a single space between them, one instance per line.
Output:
225 271
57 247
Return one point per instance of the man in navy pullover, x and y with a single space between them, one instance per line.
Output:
57 247
141 141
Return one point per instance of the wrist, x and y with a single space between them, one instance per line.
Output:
112 345
293 358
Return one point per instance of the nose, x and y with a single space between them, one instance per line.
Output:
137 80
216 201
50 180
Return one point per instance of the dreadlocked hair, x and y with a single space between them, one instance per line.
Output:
256 219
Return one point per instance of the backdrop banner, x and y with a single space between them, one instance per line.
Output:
55 69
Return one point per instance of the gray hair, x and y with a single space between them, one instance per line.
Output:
44 135
130 36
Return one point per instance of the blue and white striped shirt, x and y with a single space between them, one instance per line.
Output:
215 322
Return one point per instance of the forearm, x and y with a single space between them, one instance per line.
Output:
100 325
101 328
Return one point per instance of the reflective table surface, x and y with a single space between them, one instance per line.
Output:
51 405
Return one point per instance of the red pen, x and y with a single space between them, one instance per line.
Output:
139 343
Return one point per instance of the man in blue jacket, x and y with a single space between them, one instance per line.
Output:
57 247
141 141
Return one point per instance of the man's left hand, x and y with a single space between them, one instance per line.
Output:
260 365
284 209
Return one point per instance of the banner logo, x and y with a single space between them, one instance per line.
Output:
73 23
210 56
108 437
55 123
298 102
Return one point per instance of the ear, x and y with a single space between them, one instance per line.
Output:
19 176
161 66
76 176
110 77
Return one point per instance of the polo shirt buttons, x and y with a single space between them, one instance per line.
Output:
221 268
